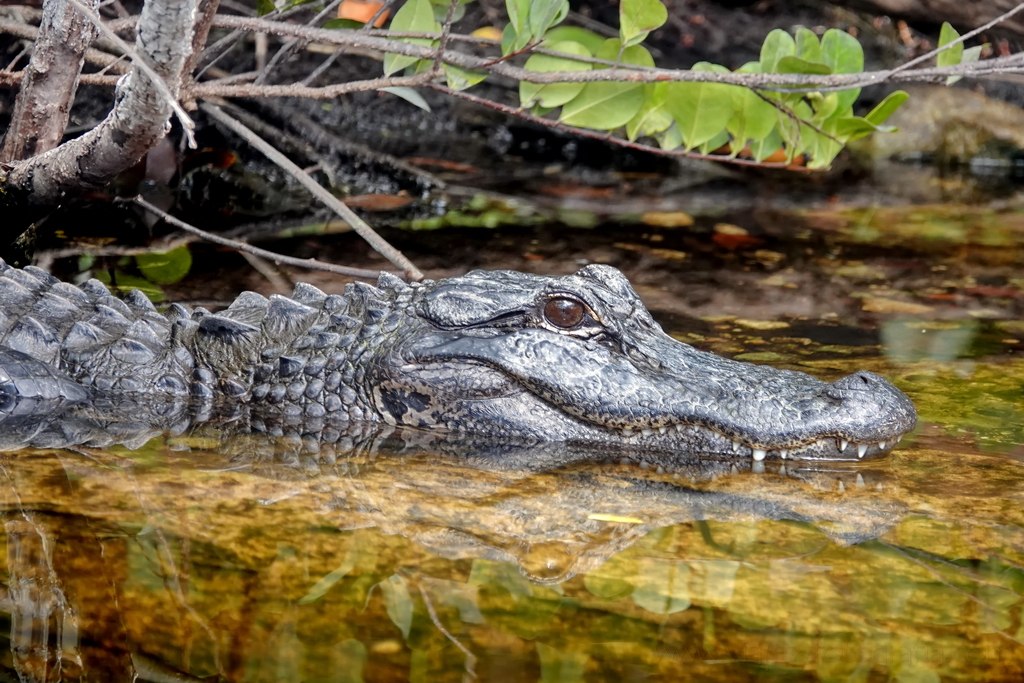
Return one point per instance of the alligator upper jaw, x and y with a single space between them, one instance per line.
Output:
672 397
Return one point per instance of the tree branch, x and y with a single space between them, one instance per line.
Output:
360 226
44 101
138 119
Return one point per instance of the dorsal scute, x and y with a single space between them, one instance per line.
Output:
308 294
32 338
287 319
227 329
138 302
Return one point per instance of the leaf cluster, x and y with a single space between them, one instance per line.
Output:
809 125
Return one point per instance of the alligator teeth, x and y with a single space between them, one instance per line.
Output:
899 438
861 450
860 480
843 444
881 445
735 446
783 454
663 430
759 453
647 432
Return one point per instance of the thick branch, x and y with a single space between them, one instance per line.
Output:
138 120
48 89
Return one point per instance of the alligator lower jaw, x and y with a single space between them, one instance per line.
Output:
822 448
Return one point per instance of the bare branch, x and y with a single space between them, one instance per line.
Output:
244 247
44 101
140 63
145 100
378 243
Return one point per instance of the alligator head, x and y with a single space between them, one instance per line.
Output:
579 359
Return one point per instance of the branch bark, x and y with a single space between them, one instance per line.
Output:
138 120
44 101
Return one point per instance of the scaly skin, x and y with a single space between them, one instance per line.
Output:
501 355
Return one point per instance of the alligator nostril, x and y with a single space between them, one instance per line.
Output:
858 381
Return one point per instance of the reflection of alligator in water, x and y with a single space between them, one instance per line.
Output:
503 355
237 540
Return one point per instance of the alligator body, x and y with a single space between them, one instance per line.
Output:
495 354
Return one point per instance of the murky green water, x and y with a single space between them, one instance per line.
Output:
266 559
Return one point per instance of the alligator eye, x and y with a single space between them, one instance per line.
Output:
564 313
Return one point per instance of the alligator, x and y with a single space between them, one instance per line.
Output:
502 355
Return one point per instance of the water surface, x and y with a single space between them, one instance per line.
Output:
212 556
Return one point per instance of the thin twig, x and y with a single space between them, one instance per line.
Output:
959 41
379 244
137 60
470 657
312 264
289 45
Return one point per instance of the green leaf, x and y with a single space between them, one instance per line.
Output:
715 143
409 95
637 18
844 55
461 79
592 41
808 47
554 94
795 65
606 106
841 52
753 118
545 14
777 44
166 267
398 602
954 54
415 16
763 148
856 127
884 109
701 110
342 23
825 105
653 118
671 138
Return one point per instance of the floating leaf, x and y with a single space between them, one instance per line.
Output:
554 94
165 267
662 586
637 18
398 602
